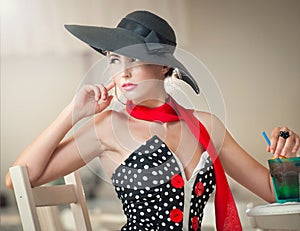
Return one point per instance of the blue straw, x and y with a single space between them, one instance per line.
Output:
269 143
266 138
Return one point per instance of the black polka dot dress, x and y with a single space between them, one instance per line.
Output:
155 193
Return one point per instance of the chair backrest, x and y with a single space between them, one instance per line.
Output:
29 198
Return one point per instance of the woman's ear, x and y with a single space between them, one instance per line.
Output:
165 69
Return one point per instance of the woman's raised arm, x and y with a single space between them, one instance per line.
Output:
48 155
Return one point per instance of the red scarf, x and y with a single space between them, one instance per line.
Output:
226 212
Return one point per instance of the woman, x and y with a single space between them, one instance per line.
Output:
162 176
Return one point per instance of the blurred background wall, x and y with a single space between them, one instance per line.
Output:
252 48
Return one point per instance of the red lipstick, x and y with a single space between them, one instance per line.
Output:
129 86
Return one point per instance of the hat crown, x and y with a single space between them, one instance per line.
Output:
152 23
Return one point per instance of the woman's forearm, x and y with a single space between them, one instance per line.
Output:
38 156
39 152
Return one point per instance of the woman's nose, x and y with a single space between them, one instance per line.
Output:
126 71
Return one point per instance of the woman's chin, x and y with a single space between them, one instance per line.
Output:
136 95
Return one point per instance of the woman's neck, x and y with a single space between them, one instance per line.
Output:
153 102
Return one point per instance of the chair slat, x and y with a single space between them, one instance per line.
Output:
28 199
54 195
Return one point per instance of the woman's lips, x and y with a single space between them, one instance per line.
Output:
129 86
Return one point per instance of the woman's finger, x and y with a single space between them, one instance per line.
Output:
111 85
97 92
292 142
280 143
92 89
274 139
100 107
103 92
284 141
296 145
289 142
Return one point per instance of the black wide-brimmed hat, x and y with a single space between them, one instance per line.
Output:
142 35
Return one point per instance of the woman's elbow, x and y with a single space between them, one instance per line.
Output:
8 181
270 199
32 175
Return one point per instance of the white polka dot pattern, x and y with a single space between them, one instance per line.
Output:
150 185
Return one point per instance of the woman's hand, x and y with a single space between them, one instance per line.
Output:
282 145
90 100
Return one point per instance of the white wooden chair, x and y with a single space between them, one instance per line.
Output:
28 199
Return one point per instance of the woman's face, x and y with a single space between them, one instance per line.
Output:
138 81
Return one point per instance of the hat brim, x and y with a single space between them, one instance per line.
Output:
129 44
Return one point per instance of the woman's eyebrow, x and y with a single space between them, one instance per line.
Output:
114 55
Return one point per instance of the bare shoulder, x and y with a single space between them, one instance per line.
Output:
107 124
213 125
209 120
104 117
109 117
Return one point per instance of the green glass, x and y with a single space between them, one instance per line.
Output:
285 174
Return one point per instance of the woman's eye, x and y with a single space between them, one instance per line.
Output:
134 60
113 60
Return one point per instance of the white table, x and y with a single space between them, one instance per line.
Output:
284 216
